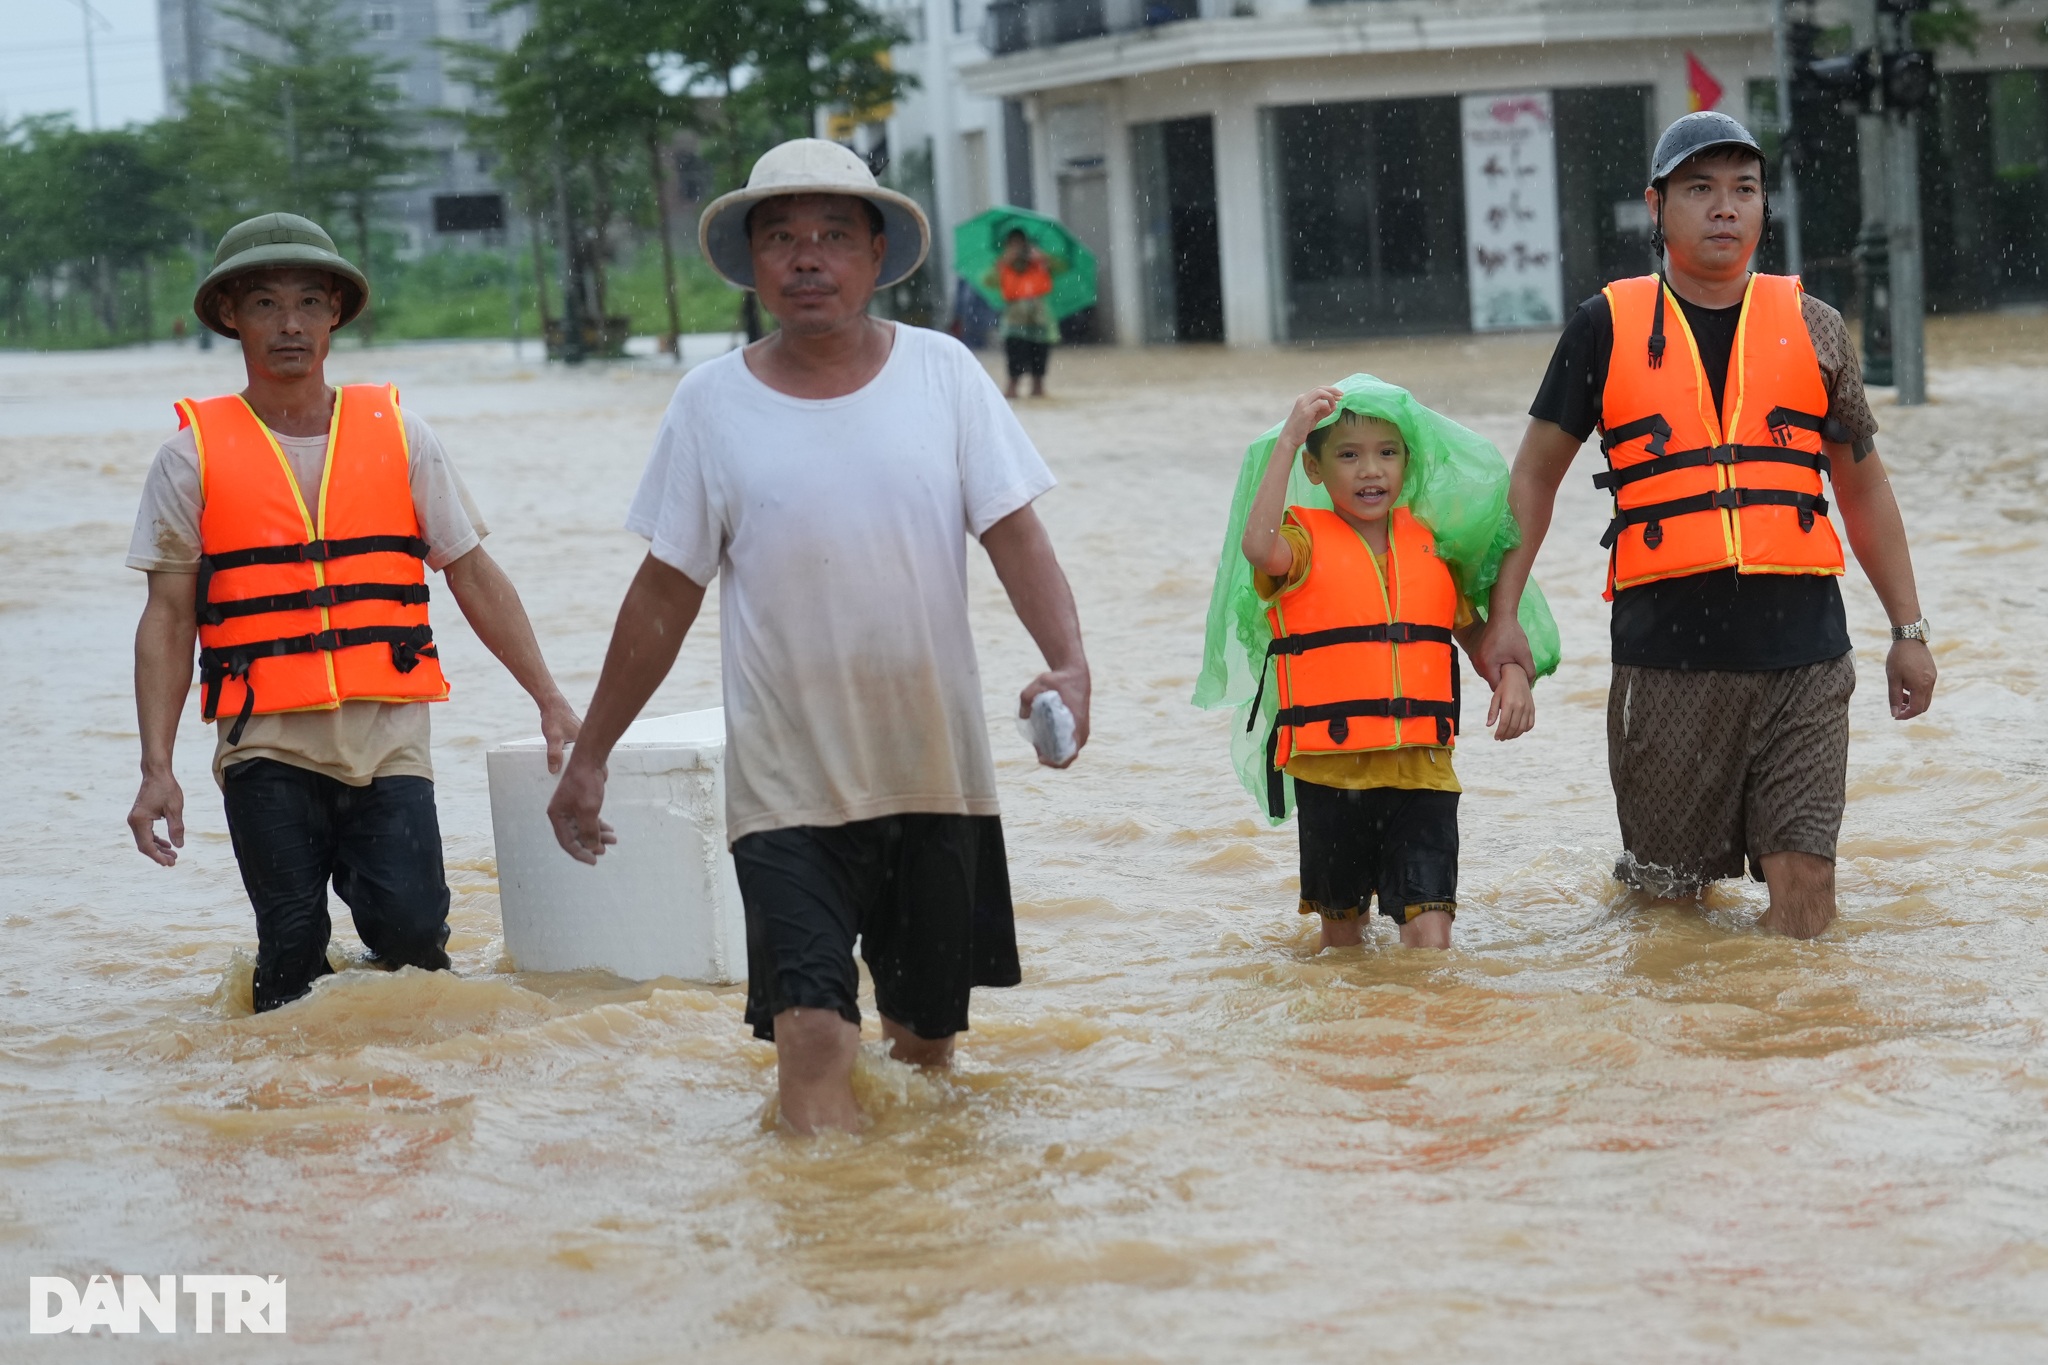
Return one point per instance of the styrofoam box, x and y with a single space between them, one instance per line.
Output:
663 901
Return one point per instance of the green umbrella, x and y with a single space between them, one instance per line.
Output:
978 244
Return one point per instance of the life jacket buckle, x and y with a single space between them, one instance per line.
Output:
1806 519
1653 535
1340 730
1728 498
1725 454
1400 633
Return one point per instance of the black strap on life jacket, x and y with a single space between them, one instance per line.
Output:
328 595
1657 329
409 644
1809 505
1653 426
1339 713
1396 633
1338 716
300 552
1616 479
1781 420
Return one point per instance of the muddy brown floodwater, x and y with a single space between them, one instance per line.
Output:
1597 1130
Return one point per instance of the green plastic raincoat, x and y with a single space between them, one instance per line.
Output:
1456 484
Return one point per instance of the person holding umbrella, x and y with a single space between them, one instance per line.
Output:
1023 275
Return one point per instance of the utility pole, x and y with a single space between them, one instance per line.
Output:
1787 217
88 16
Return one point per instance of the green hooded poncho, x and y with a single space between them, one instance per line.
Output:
1456 484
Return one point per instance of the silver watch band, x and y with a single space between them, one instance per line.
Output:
1916 631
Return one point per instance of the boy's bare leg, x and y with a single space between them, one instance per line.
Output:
1038 386
906 1046
1802 894
814 1051
1430 929
1343 933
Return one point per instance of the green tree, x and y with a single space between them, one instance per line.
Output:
83 215
307 108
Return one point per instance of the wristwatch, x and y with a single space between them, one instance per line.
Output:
1916 631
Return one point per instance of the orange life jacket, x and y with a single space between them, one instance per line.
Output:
1695 490
1033 281
1363 662
299 610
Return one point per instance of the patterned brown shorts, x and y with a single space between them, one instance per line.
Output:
1715 770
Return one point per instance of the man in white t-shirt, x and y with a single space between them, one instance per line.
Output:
830 476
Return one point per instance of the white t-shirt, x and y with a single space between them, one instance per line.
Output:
358 740
838 528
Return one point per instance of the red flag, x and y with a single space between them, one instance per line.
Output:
1702 91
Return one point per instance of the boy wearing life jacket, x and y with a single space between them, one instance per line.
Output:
1362 610
287 530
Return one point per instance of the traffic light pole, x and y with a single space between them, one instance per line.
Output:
1873 240
1908 278
1786 218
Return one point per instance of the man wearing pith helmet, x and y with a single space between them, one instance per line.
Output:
289 528
830 477
1729 406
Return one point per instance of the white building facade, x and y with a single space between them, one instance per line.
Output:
1262 171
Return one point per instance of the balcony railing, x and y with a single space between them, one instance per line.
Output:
1014 25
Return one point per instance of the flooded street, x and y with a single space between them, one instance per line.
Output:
1595 1131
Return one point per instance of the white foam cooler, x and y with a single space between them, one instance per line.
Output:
663 901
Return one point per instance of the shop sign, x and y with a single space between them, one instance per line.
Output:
1511 212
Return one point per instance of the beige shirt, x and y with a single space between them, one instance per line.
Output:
359 740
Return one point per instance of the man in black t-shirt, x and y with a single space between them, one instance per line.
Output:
1728 713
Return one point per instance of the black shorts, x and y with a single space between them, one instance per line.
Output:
928 896
1401 845
1026 356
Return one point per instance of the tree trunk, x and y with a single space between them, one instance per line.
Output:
668 255
572 348
600 238
148 305
540 270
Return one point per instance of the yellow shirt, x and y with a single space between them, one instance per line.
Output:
1420 767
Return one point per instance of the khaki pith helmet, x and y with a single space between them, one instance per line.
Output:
809 165
278 241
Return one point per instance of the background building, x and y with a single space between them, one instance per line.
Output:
198 39
1258 171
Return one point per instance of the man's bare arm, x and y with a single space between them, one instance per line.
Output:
1540 466
163 679
492 607
660 607
1023 557
1877 533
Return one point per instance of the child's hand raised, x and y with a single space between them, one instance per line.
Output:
1309 409
1514 706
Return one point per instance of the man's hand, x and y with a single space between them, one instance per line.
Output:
1909 674
1514 706
161 798
573 812
1502 643
559 726
1074 686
